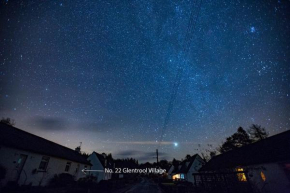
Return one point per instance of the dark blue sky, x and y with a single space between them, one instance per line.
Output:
102 72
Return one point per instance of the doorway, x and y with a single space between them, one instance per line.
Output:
19 166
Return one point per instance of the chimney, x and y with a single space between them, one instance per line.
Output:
78 149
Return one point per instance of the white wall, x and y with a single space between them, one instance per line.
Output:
169 176
96 165
276 179
196 165
10 156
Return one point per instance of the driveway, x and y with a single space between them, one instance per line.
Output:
144 186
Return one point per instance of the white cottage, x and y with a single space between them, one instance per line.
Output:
185 169
99 163
30 159
265 164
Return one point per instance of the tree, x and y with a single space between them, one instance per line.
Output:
238 139
163 164
187 157
175 162
257 132
7 121
241 138
85 155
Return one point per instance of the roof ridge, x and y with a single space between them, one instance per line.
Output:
26 132
251 144
11 136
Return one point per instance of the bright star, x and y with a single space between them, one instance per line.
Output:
175 144
253 29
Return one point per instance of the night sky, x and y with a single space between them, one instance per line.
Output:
102 72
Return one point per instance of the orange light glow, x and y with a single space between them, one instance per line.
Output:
176 177
241 176
263 176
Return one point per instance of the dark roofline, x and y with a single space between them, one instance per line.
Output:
40 152
40 137
103 159
192 159
230 159
252 144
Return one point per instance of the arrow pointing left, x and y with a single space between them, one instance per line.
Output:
85 170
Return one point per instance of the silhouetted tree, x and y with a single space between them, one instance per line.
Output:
86 155
126 163
207 156
7 121
187 157
257 132
175 162
110 157
164 164
238 139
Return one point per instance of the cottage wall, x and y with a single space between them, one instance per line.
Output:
169 175
30 173
196 165
96 165
276 180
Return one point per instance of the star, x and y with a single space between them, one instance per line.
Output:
253 29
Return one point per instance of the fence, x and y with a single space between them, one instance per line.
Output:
230 182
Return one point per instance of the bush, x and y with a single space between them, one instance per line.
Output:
87 181
62 180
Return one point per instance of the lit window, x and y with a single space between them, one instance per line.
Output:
181 176
44 163
241 175
176 177
67 166
263 176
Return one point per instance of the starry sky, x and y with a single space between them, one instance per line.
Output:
103 72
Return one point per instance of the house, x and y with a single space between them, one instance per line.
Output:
264 164
30 159
99 164
184 170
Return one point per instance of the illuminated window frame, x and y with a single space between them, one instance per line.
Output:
176 177
241 176
263 176
181 176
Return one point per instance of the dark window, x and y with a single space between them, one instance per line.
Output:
77 169
286 168
67 166
44 162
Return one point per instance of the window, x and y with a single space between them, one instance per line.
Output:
176 177
241 175
181 176
263 176
44 163
77 169
286 168
67 166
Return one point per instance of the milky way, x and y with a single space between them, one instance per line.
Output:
102 72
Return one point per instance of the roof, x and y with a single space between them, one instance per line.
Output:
184 168
15 138
272 149
102 160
